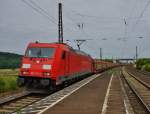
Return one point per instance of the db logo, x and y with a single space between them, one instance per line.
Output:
37 61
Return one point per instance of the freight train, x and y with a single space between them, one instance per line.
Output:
52 64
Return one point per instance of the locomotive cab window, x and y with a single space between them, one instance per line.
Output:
40 52
63 56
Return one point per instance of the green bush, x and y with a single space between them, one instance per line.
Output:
2 85
143 64
9 60
13 84
8 83
146 67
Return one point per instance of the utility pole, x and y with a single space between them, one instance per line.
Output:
101 57
136 56
60 23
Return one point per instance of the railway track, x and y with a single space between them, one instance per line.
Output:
139 88
144 72
141 75
17 102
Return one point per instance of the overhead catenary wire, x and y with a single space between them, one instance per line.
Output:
38 11
80 22
143 11
139 19
146 47
43 10
32 4
96 17
89 16
141 14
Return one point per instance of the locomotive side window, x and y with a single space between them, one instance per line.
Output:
40 52
63 56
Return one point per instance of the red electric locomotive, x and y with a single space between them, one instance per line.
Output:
51 64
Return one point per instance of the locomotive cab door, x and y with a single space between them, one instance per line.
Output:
67 64
65 57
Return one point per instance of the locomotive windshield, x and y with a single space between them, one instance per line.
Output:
39 52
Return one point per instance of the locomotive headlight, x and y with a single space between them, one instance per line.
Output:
47 67
26 66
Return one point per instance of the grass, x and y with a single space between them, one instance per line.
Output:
8 80
143 64
8 72
8 83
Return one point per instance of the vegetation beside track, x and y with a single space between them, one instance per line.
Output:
9 60
143 64
8 80
8 83
9 72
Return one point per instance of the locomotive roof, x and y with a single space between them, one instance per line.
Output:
57 44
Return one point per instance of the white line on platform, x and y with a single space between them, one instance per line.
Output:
42 111
106 97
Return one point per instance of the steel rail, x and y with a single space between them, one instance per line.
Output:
139 80
13 97
135 91
144 72
13 103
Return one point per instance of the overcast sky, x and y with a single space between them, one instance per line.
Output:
120 22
